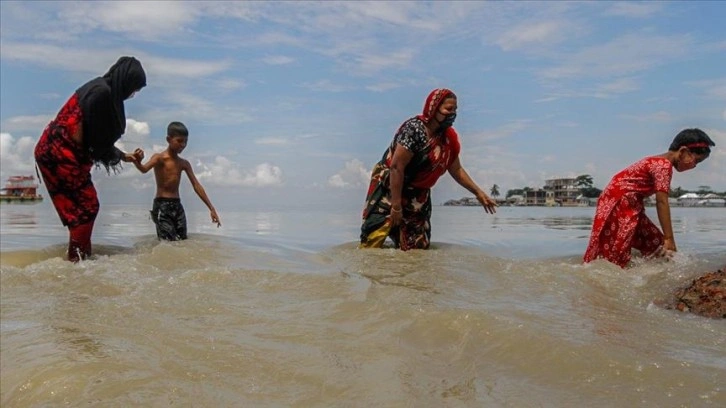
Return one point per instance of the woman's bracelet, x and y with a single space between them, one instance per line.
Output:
396 210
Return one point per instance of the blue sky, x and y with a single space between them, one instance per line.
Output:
296 101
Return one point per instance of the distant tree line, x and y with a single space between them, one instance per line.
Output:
702 190
585 183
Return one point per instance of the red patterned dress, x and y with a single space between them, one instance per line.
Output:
432 157
620 223
66 167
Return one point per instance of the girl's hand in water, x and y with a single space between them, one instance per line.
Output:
662 252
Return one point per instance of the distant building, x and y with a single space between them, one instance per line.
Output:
535 197
562 192
586 201
515 199
689 199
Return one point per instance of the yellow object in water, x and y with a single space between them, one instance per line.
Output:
376 238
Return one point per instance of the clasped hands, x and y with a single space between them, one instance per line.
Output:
136 157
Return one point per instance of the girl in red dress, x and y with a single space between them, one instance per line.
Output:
620 223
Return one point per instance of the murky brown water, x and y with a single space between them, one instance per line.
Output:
267 313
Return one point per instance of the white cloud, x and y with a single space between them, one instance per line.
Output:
136 135
224 172
264 174
97 61
277 141
622 85
148 19
548 99
278 60
181 104
229 84
384 86
711 171
403 14
136 129
369 64
326 85
531 33
176 67
354 175
31 123
624 55
16 155
501 132
660 116
713 88
633 9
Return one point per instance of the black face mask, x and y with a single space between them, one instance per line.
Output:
448 121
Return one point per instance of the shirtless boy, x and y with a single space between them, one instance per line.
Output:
168 212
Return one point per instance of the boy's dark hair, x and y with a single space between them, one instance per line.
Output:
177 129
696 140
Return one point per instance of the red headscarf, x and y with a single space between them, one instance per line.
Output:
433 102
440 158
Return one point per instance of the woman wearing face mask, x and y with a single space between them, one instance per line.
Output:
398 204
84 133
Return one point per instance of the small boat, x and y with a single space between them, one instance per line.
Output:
20 189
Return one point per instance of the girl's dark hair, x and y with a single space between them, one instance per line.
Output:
696 140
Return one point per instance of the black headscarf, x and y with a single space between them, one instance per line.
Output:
102 103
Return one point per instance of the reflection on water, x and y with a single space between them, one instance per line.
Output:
581 223
267 223
19 218
552 221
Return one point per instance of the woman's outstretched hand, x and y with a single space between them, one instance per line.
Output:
489 205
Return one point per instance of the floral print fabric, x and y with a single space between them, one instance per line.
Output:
620 223
431 159
66 167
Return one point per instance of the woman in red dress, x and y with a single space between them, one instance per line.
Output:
398 203
620 223
84 133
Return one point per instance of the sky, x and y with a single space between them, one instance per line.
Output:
295 102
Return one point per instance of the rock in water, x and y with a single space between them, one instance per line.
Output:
705 296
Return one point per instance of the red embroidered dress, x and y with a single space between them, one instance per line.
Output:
620 223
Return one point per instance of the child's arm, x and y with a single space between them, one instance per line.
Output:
144 168
201 193
664 216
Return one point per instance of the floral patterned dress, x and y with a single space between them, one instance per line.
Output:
620 223
432 157
66 167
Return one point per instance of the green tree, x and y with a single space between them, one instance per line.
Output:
677 192
591 192
515 191
494 191
585 184
583 181
704 189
